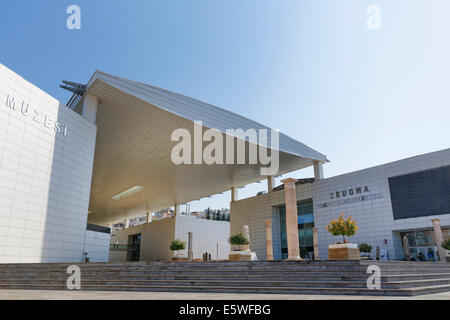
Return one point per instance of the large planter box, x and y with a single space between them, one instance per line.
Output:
343 251
241 247
242 256
179 259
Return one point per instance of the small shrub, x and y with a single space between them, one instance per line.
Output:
177 244
365 248
446 244
238 239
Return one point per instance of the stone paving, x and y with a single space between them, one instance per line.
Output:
122 295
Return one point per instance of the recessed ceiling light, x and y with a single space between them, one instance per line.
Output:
128 193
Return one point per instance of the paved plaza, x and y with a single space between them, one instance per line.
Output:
118 295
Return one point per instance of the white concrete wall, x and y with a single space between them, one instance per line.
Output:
45 174
156 237
208 236
97 246
117 256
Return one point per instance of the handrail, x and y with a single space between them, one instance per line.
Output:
122 247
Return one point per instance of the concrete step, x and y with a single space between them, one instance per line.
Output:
414 276
192 282
190 267
406 265
361 283
328 277
187 263
397 275
267 290
402 263
217 272
304 277
418 283
193 271
242 277
218 268
278 264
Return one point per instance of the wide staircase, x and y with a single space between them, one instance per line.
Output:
304 277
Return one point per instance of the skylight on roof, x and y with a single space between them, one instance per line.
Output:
128 193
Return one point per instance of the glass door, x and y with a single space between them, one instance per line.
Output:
421 245
134 250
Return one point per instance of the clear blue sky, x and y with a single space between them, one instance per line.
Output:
309 68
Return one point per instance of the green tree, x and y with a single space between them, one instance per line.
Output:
342 227
208 214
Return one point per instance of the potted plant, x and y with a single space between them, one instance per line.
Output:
343 250
365 249
446 245
239 242
177 245
240 248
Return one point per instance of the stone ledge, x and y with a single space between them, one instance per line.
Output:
242 256
343 254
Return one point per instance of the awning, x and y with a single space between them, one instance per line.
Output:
135 122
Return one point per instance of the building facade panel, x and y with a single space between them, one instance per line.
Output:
155 239
207 236
46 157
365 195
253 211
97 246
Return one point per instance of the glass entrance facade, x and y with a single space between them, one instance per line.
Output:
422 245
305 221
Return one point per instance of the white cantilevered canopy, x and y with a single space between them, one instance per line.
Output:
135 122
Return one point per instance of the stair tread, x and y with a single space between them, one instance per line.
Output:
278 277
267 288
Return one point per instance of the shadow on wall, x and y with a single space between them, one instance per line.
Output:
69 176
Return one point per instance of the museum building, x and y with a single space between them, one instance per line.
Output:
388 202
68 172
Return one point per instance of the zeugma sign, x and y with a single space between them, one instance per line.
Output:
36 115
351 195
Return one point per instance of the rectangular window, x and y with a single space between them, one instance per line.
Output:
305 220
421 194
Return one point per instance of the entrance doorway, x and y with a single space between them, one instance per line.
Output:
305 222
421 245
134 247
